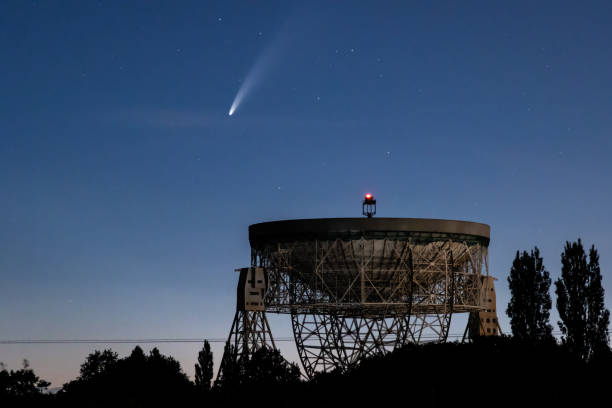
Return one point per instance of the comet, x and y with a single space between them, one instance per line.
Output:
258 71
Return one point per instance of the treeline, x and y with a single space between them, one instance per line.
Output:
499 371
153 379
529 368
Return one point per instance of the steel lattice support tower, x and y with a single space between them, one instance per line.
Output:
250 329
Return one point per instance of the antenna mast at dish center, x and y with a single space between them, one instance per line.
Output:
355 287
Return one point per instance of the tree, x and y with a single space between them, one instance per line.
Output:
264 368
530 303
97 363
136 380
204 368
21 384
598 317
231 369
268 367
137 356
580 302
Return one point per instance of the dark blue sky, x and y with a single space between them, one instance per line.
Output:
127 190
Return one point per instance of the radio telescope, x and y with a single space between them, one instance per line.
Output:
354 287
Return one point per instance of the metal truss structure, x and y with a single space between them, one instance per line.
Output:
359 287
250 329
250 332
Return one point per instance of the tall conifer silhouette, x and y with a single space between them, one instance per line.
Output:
530 303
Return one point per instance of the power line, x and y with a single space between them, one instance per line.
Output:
119 341
173 340
150 341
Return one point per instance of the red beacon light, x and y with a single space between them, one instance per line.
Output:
369 206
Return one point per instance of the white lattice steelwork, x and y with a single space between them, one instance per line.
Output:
359 286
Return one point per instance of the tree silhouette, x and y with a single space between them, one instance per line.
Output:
97 363
231 370
20 384
136 380
598 317
584 320
264 368
530 303
204 368
137 356
268 367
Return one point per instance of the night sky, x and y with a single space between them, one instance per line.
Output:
126 189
